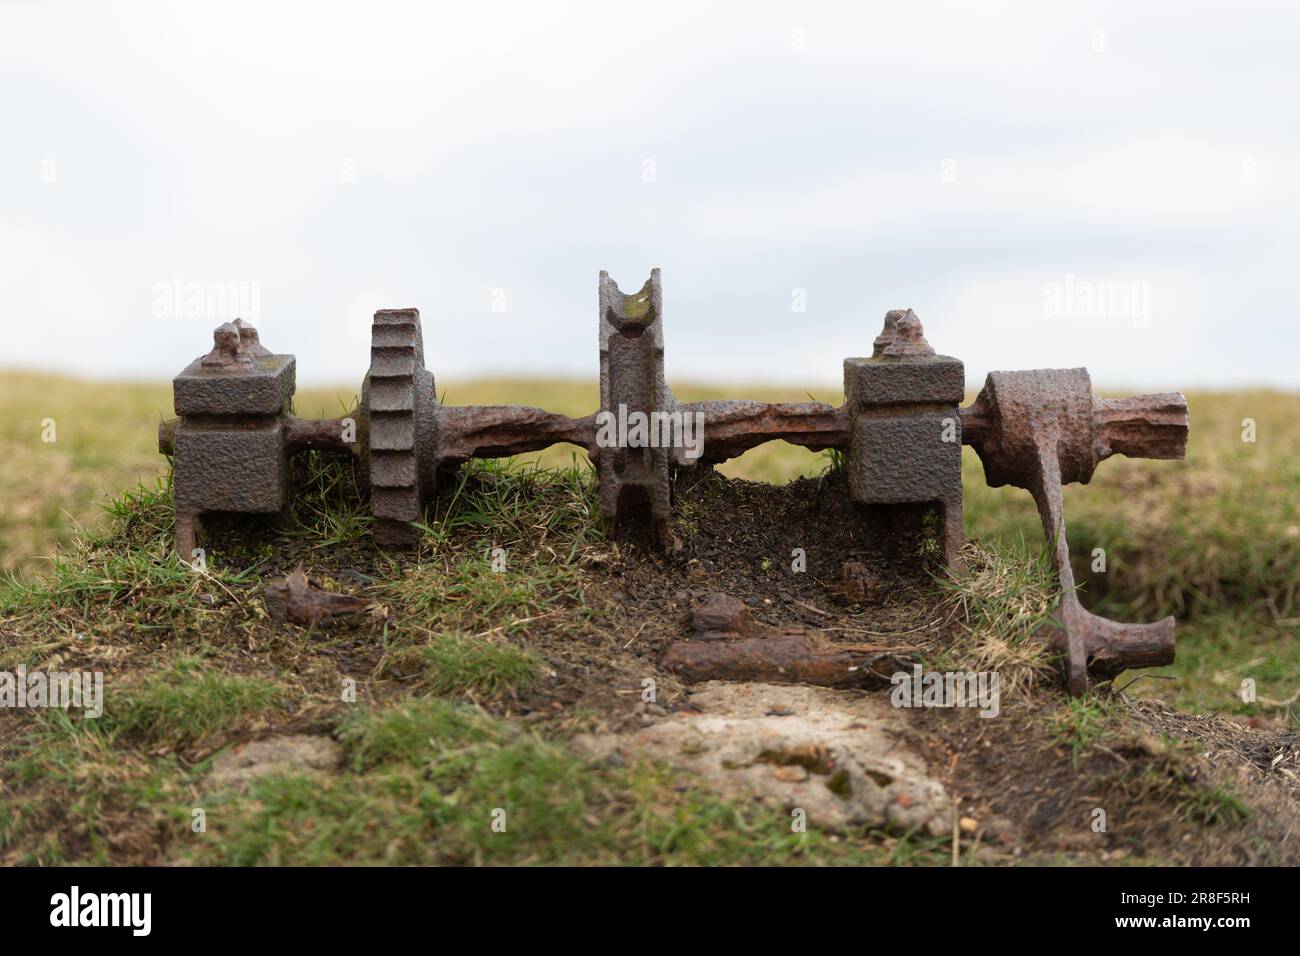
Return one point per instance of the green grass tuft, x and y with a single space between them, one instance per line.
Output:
455 663
1078 724
186 702
412 731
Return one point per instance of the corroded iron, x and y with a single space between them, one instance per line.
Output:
1041 429
905 439
230 446
300 600
798 658
634 481
900 429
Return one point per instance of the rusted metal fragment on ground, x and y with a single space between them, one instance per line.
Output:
719 615
780 659
300 600
857 584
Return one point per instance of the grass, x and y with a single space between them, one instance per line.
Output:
1004 601
459 663
412 731
328 508
70 793
185 702
427 770
1170 783
1215 806
1079 724
123 576
432 746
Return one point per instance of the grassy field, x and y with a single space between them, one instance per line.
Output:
453 660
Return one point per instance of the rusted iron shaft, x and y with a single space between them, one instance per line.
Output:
498 431
301 434
1143 426
731 428
1140 426
335 435
781 659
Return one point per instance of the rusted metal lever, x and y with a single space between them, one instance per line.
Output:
1044 428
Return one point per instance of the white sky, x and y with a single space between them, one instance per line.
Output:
991 165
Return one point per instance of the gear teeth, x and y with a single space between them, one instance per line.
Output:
396 361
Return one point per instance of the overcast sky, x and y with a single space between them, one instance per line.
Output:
1045 184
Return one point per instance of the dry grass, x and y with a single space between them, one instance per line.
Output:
1004 605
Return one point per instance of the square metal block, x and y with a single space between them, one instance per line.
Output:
231 469
898 459
264 387
926 379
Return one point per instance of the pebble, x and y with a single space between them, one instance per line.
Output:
791 774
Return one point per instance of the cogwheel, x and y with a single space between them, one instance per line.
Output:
398 399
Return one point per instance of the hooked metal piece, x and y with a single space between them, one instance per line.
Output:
1044 428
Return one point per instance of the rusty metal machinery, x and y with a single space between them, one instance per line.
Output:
901 430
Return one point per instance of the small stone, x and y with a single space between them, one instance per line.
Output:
719 613
295 754
856 585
